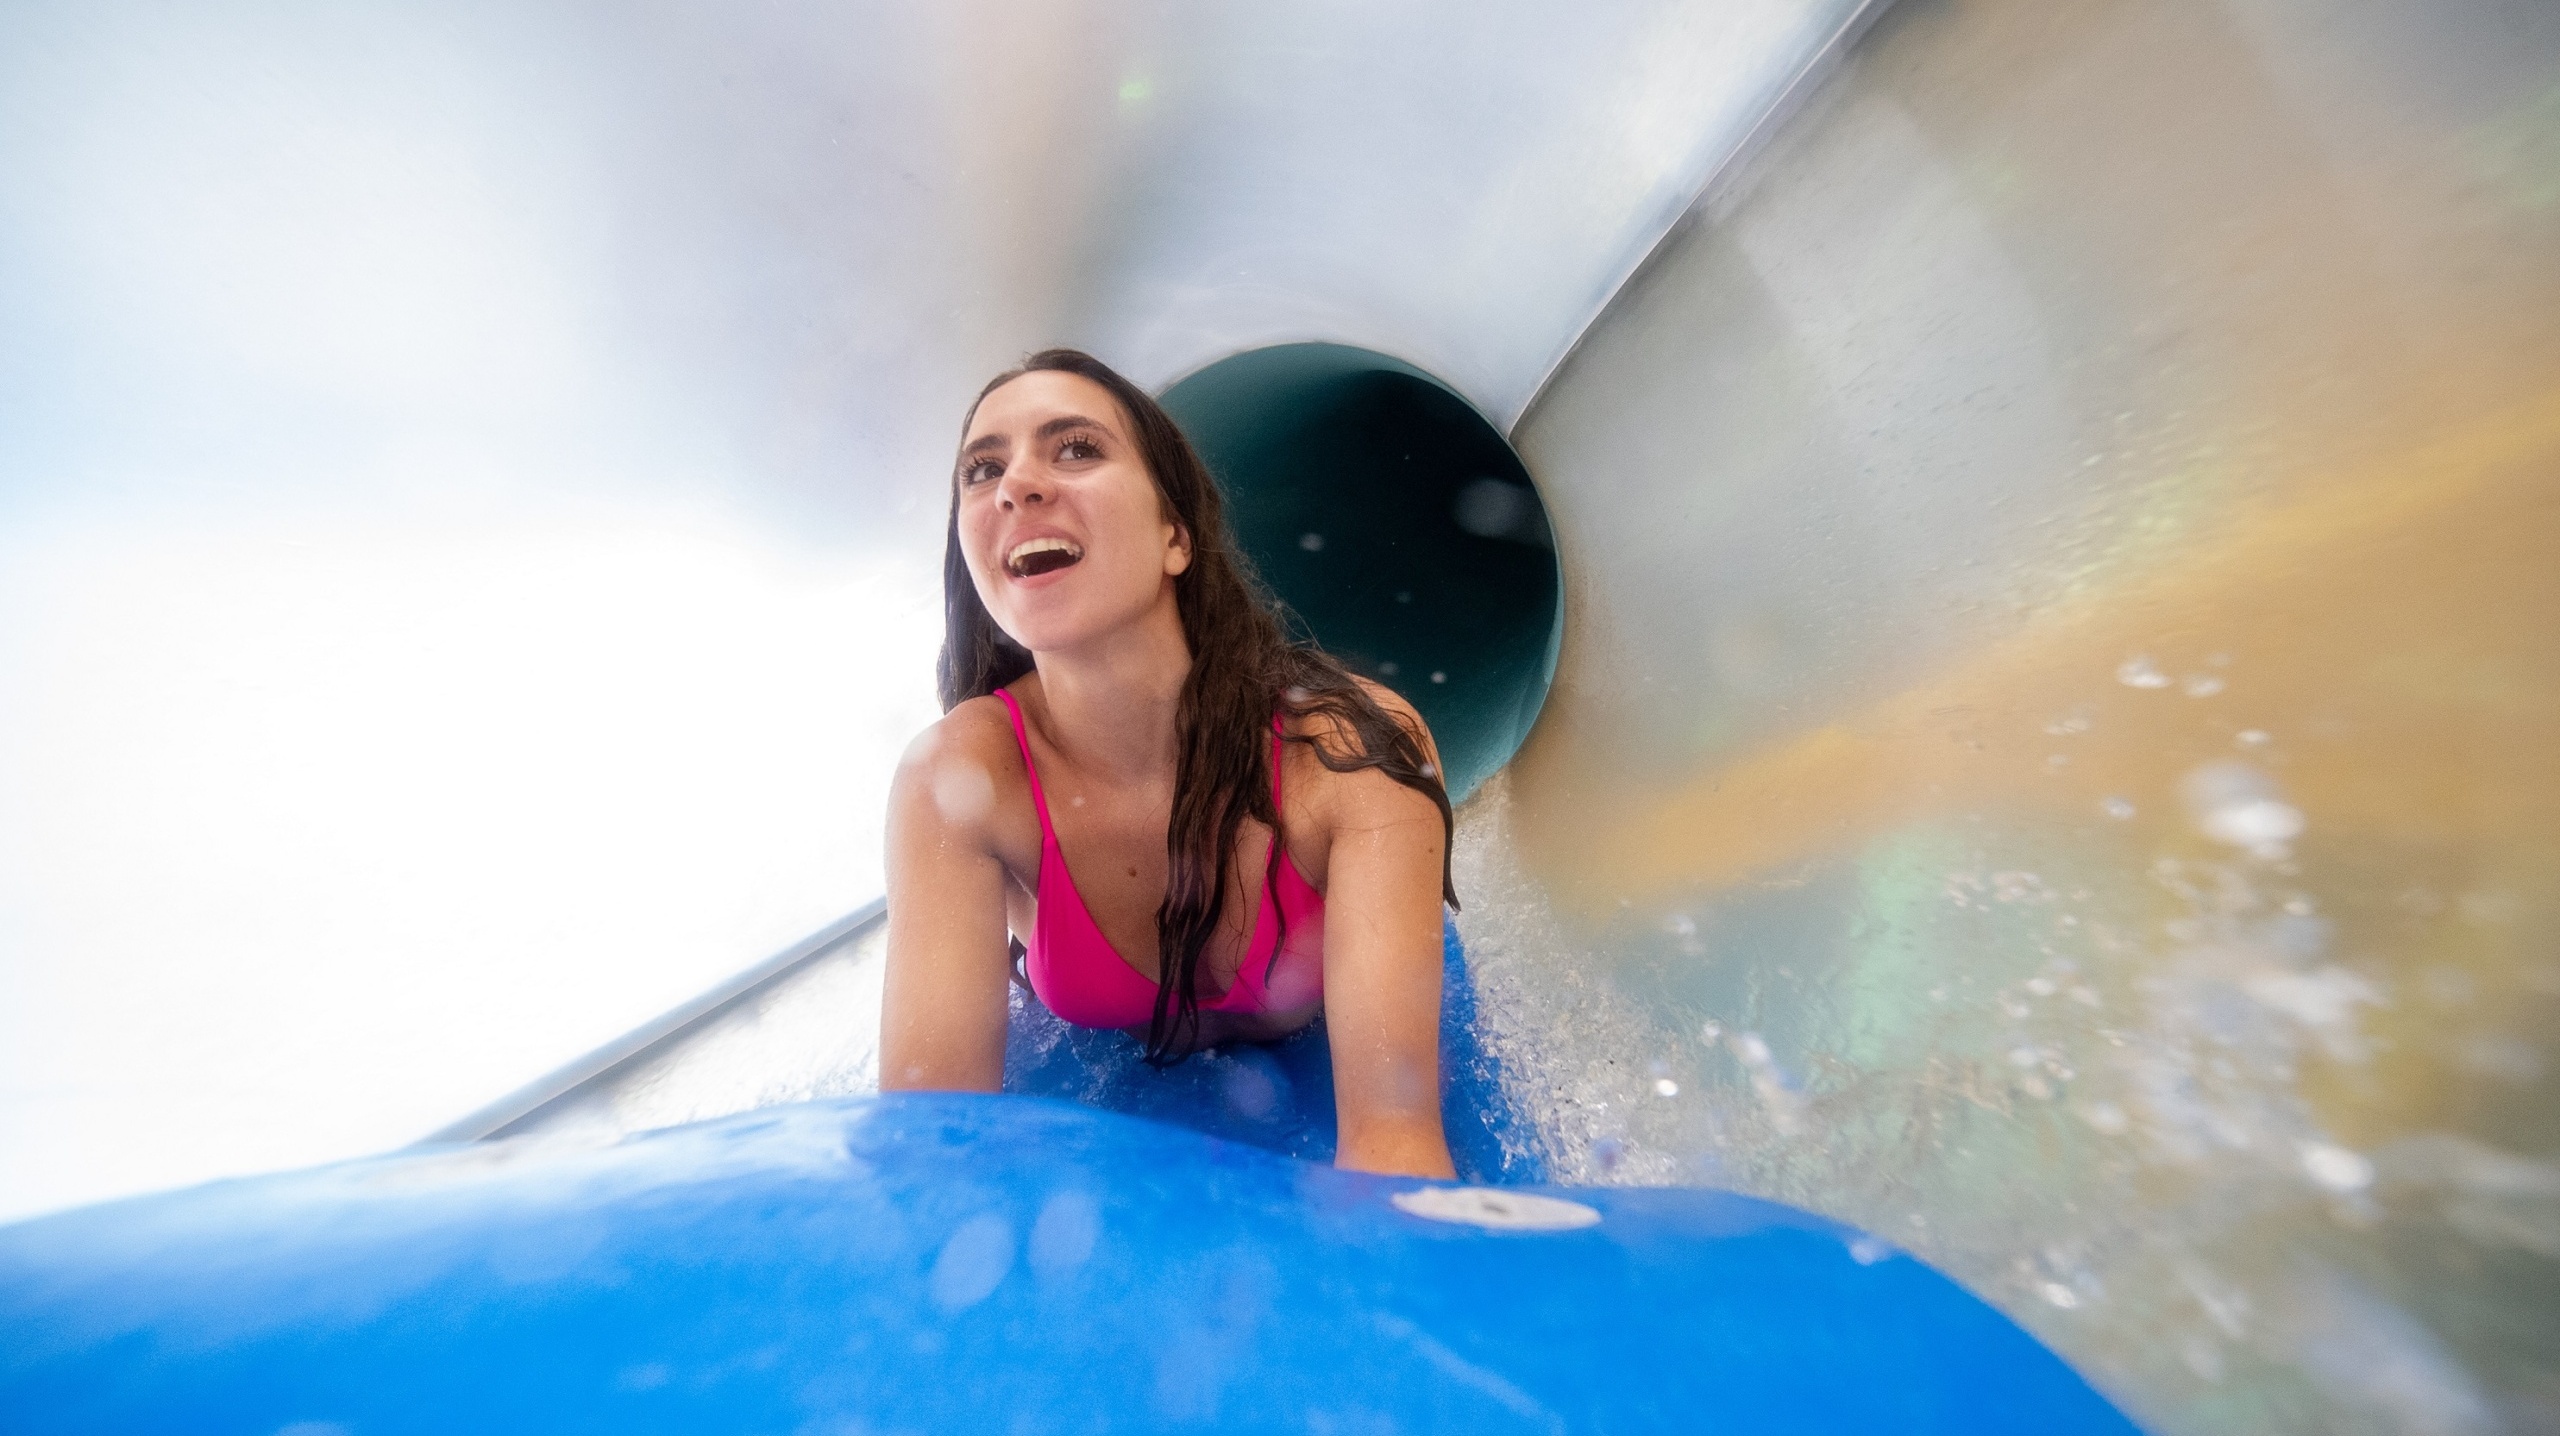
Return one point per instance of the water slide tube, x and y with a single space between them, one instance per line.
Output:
2004 682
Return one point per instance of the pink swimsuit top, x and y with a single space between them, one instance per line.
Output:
1082 977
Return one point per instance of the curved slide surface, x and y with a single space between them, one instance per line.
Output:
2027 548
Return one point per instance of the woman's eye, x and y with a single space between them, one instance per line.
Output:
981 471
1079 448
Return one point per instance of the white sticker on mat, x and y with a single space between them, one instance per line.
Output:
1495 1209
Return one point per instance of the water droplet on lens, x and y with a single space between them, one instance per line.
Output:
963 793
1311 542
2116 808
2237 804
1063 1237
2107 1117
1665 1087
1250 1091
1490 508
2259 823
2138 672
1439 677
2335 1168
972 1263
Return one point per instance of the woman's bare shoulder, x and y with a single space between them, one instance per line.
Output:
1330 731
977 729
1362 795
954 769
1394 702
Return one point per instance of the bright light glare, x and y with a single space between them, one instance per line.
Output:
318 837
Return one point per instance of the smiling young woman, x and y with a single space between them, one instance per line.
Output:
1193 829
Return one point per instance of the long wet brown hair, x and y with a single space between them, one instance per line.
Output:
1245 668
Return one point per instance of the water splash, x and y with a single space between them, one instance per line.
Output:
2092 1102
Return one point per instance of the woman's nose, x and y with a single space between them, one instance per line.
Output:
1022 484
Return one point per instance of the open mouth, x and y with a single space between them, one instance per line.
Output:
1033 557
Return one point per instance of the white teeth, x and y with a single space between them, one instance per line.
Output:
1028 547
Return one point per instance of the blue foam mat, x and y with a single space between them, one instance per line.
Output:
946 1263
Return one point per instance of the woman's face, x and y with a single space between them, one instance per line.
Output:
1064 532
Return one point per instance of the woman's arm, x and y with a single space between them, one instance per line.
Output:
942 1011
1382 962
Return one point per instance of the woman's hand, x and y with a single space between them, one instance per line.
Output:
942 1013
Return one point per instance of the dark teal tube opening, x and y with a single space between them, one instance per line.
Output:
1399 528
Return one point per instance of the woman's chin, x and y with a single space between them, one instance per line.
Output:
1060 629
1042 638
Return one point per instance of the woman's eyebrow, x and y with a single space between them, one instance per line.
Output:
1058 425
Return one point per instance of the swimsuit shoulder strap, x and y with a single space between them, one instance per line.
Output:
1039 800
